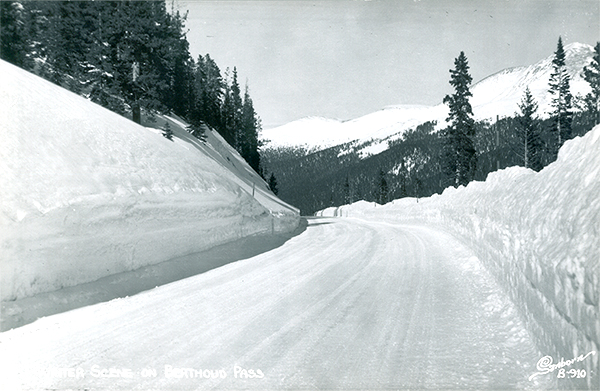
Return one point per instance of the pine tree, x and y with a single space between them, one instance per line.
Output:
273 184
529 132
236 124
248 135
101 60
382 188
460 155
167 132
178 65
232 109
13 37
198 131
403 175
347 191
562 100
591 74
209 90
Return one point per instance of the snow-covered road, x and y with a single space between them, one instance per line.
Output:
346 304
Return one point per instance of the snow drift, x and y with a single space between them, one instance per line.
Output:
86 193
539 233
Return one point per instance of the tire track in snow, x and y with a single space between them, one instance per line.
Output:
346 304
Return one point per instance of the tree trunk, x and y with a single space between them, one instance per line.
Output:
136 113
526 150
559 136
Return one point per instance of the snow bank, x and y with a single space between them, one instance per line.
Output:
86 193
539 233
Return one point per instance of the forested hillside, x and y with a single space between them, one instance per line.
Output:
133 58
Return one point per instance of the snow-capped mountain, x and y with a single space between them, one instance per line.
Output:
500 93
495 95
317 133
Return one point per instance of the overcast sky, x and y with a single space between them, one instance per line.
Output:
343 59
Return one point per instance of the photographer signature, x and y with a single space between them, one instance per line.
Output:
545 366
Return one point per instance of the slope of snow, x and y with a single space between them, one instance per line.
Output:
496 95
86 193
539 233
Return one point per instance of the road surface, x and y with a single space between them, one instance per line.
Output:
348 304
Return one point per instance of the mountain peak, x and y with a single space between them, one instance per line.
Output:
500 93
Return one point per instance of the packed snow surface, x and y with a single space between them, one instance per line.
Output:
348 304
86 193
495 96
539 234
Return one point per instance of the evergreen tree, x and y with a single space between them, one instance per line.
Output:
236 124
198 131
13 37
167 132
232 108
347 191
591 74
248 136
382 188
562 99
209 94
178 64
460 155
103 85
418 188
273 184
529 132
402 178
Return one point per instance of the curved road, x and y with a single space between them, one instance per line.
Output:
346 304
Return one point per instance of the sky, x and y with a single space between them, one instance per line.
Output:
342 59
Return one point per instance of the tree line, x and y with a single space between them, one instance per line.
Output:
131 57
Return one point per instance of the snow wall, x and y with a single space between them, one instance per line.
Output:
539 233
86 193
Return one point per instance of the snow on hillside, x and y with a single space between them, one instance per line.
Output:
309 133
499 94
86 193
496 95
538 233
314 134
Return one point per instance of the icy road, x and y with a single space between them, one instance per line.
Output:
346 304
